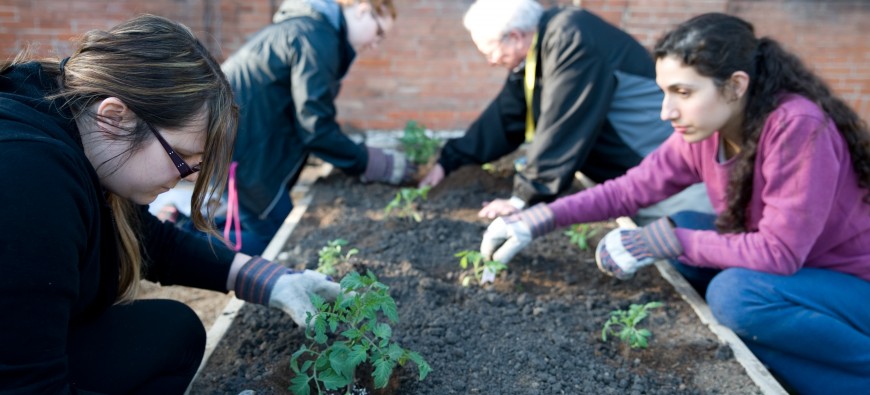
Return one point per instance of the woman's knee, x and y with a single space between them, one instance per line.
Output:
186 324
731 295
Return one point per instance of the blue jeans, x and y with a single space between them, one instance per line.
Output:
811 328
256 232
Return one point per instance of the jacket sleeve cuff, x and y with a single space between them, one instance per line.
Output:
256 279
539 218
661 239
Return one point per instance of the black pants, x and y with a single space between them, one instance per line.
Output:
144 347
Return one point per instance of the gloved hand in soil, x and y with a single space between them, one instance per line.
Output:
506 236
623 251
388 167
271 284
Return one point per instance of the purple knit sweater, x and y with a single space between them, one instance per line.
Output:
806 209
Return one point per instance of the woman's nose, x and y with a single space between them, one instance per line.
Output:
668 111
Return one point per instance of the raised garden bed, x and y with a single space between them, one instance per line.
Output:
537 330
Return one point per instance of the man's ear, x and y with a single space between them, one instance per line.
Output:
113 114
363 8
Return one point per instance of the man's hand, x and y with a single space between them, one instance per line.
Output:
506 236
623 251
388 167
501 208
292 293
434 177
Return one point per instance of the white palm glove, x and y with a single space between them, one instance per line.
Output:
271 284
292 293
507 236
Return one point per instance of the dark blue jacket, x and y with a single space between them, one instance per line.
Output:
285 80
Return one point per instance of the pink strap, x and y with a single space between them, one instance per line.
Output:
233 211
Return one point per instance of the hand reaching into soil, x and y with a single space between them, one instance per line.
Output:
271 284
292 292
434 177
501 207
506 236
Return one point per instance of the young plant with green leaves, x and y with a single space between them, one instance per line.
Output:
580 234
332 255
623 324
352 330
417 145
482 270
404 205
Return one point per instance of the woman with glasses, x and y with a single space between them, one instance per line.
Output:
85 143
285 80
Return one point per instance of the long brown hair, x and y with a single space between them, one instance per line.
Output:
717 45
165 76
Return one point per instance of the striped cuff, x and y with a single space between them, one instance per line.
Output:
256 279
539 218
661 240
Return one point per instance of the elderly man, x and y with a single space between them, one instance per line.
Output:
580 91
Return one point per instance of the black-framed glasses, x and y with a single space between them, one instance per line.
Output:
183 168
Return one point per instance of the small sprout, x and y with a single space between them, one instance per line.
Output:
417 145
331 255
353 329
623 323
580 234
404 204
482 270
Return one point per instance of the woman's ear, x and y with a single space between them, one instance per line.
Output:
738 84
113 114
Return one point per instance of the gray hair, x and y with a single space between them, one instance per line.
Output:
495 18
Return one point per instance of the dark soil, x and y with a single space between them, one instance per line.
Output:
537 330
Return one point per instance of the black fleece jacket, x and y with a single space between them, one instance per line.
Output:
578 59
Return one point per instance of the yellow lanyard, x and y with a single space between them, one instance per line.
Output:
531 68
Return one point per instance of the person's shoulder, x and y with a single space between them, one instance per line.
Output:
791 105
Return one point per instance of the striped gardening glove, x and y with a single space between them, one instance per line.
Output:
623 251
271 284
388 167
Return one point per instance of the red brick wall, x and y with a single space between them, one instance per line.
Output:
428 69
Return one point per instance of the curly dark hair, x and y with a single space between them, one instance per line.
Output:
717 45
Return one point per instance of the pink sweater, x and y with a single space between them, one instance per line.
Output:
806 210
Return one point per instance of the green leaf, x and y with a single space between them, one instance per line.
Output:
383 331
351 281
333 380
357 355
299 385
338 358
306 365
390 310
333 324
352 334
382 372
421 363
394 352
